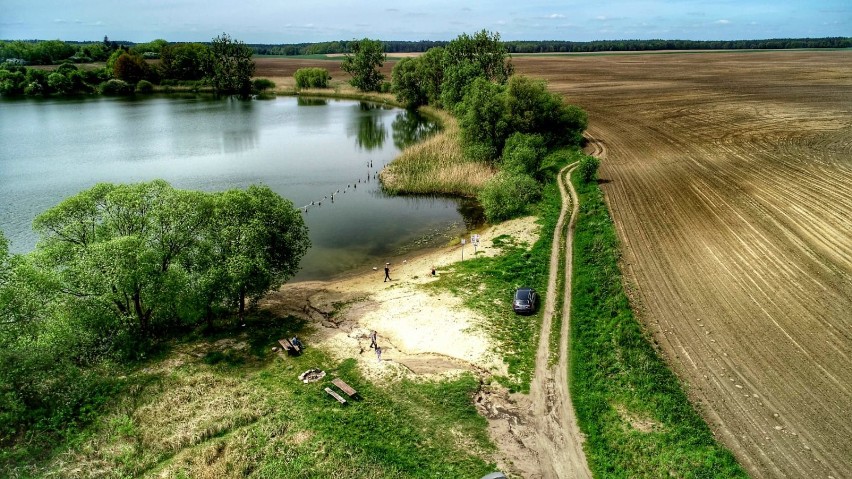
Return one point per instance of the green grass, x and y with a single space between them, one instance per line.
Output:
636 417
226 406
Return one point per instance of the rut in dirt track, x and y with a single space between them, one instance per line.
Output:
557 441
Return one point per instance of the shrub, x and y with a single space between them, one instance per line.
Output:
588 168
261 84
116 87
144 86
59 83
312 78
67 67
507 195
523 153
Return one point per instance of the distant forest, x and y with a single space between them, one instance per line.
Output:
568 47
36 52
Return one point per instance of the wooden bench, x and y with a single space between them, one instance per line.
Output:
291 348
335 395
349 390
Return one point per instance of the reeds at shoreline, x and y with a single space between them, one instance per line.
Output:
436 165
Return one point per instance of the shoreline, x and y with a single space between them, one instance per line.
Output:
422 332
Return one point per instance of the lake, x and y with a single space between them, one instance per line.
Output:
304 149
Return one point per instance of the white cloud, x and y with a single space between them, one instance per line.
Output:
722 22
600 17
556 15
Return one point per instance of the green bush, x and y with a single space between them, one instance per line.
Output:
507 195
116 87
312 78
523 153
588 168
67 67
261 84
144 86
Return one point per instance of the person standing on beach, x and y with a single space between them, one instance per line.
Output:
378 354
387 272
373 336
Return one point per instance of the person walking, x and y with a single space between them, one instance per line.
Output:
387 273
373 336
378 354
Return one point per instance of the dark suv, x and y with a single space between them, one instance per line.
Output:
525 302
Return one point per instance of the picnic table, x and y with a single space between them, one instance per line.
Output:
288 346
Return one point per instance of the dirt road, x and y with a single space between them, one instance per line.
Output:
558 442
729 179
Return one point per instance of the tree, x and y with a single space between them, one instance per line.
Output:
260 239
131 68
230 66
184 61
118 244
406 83
483 117
533 109
363 63
467 58
417 80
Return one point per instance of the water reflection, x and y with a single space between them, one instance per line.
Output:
471 212
302 101
370 130
409 127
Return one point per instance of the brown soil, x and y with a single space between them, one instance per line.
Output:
729 177
281 70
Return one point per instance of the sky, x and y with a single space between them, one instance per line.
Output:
297 21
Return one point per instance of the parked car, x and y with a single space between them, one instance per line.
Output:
525 302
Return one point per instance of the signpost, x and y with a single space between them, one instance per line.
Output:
474 239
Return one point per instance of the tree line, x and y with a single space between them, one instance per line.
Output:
38 52
224 65
559 46
121 266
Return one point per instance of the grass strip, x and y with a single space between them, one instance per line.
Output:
636 417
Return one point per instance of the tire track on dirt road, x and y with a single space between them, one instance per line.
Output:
558 442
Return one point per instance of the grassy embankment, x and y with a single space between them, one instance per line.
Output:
636 417
227 406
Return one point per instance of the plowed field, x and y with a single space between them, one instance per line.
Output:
729 177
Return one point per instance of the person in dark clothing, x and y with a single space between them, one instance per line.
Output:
387 272
373 336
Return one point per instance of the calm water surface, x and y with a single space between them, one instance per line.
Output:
304 149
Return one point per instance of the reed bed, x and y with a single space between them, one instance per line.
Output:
436 165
